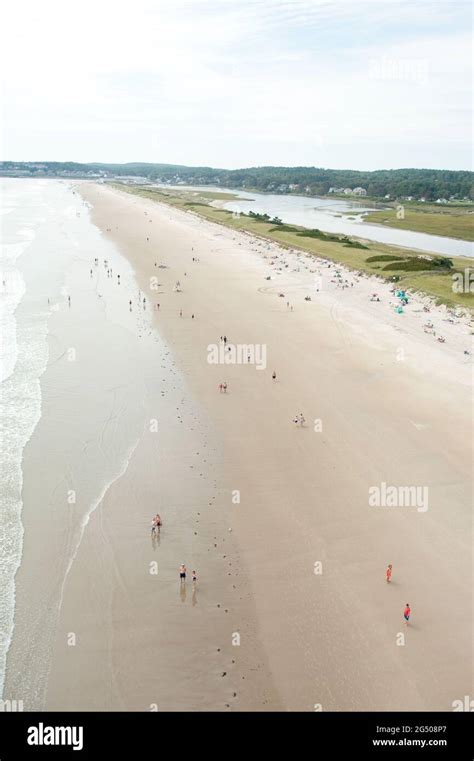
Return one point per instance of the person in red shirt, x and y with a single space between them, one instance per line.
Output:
407 613
388 574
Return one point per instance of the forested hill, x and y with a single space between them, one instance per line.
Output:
430 184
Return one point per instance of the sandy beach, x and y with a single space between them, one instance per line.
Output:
394 406
101 620
291 610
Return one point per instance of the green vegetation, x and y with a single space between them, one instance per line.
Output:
284 229
419 183
264 218
303 232
431 275
420 264
215 195
383 258
451 221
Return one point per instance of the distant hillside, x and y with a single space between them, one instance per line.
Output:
430 184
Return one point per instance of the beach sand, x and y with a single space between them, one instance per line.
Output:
101 620
319 627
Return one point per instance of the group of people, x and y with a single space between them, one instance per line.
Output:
407 611
156 524
299 420
183 572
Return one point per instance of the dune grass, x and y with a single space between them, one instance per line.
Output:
448 221
365 256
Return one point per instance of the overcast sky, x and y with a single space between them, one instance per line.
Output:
361 84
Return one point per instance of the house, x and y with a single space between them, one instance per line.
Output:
359 192
441 200
347 191
292 186
282 188
387 197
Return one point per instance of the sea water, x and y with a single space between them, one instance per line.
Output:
23 358
48 252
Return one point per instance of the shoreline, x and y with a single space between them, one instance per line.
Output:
318 651
97 625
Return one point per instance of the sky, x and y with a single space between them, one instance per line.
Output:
346 84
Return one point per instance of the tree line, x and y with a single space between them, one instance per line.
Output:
430 184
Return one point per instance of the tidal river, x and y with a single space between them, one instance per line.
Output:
330 215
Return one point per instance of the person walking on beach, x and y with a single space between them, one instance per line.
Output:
69 300
224 386
407 613
274 375
225 340
221 388
195 578
180 312
182 573
388 574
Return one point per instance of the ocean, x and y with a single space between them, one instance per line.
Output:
58 309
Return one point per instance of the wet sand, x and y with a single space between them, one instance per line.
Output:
383 403
101 620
